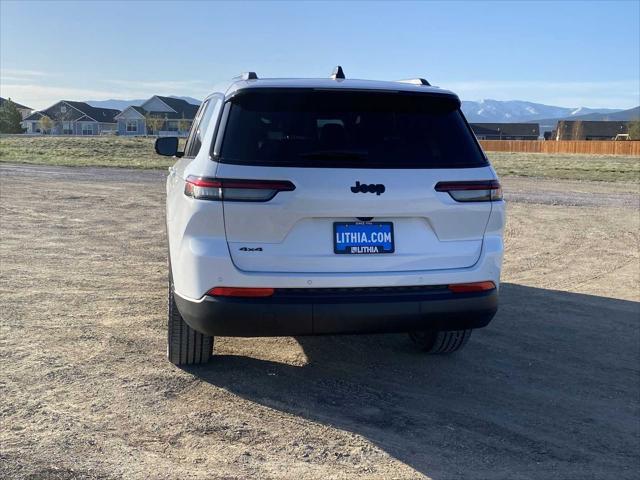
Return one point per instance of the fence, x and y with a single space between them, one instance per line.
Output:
591 147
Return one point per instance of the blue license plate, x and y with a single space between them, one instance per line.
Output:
359 238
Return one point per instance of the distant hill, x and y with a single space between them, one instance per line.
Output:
620 116
113 103
122 104
517 111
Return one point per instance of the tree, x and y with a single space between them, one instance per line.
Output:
46 124
634 130
10 118
183 124
154 123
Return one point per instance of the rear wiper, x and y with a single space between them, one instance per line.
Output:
342 154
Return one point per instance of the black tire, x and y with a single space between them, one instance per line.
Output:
185 346
439 342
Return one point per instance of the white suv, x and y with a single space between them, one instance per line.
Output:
319 206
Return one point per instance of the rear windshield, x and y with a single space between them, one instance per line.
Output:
349 129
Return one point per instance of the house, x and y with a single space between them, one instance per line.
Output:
506 131
157 116
73 118
24 111
589 130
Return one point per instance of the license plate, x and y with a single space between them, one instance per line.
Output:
358 238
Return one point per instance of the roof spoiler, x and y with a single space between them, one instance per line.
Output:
415 81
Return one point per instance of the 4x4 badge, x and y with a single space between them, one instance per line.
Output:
377 188
248 249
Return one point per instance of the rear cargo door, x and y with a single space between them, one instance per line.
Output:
364 166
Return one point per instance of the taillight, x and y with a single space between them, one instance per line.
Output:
472 191
203 188
240 292
471 287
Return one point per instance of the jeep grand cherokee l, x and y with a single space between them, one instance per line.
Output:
326 206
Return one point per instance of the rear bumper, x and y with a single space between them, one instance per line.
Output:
331 311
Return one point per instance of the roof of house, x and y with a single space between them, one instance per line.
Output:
34 116
2 100
183 109
103 115
507 129
135 108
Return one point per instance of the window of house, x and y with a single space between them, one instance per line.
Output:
132 126
87 129
63 109
67 128
172 126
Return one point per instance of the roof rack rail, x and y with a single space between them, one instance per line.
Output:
247 76
415 81
338 73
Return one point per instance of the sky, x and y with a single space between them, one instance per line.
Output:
571 54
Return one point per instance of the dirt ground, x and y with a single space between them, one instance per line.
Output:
550 389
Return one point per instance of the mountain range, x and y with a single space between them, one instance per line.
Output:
483 111
616 115
512 111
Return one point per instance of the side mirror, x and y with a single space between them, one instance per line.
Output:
168 146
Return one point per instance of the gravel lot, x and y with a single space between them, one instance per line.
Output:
549 390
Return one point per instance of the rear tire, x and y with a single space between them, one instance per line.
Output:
439 342
185 346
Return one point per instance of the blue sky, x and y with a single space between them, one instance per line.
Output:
561 53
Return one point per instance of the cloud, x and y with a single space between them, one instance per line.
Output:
24 73
19 75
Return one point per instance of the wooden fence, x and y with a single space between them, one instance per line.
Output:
590 147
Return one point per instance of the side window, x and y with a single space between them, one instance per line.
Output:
188 148
207 112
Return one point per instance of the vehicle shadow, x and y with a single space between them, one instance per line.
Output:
551 385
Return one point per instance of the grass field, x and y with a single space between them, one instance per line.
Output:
111 151
138 153
608 168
